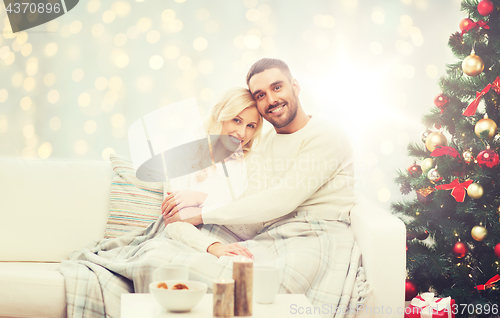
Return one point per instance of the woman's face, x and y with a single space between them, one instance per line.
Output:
240 129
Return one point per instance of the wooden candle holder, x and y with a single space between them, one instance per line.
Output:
243 286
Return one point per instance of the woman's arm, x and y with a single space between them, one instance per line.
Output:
188 234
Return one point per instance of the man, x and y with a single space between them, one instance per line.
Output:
308 162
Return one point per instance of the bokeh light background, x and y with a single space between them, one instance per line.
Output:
72 87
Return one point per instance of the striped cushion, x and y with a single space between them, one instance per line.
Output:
134 204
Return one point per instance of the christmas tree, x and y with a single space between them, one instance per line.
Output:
453 226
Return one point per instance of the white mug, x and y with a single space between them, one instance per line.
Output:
171 272
265 283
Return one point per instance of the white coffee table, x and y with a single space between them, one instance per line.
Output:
145 306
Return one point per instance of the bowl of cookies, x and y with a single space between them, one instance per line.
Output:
178 295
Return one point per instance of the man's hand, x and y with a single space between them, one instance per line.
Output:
233 249
190 215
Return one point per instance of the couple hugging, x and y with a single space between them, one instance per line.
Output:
308 160
296 215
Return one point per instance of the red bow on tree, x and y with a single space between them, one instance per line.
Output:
471 109
445 150
476 25
496 85
458 191
489 283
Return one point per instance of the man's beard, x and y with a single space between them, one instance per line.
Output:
291 112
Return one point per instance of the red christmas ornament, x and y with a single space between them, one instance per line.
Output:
414 170
411 290
497 250
485 7
465 23
459 249
441 101
488 158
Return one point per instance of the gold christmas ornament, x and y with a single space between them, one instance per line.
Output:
486 124
427 164
475 191
473 65
435 139
479 233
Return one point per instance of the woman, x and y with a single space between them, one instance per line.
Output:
236 123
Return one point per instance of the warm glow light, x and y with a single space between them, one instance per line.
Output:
384 195
77 75
107 152
81 147
200 44
153 36
90 127
45 150
156 62
120 39
207 95
51 49
101 83
49 79
26 49
84 99
53 96
108 16
26 103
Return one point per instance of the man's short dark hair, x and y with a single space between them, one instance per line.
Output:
265 64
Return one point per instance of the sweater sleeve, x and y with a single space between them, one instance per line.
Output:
188 234
295 186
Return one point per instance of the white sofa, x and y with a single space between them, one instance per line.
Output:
52 207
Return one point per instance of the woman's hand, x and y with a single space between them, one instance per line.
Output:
178 200
233 249
190 215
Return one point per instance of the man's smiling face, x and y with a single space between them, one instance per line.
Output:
276 97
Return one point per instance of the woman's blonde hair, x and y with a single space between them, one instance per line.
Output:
234 101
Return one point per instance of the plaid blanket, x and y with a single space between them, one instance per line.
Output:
316 257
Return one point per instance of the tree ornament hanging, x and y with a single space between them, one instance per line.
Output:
435 139
460 249
473 65
475 191
434 176
465 24
487 158
411 290
485 7
414 170
468 156
497 250
425 195
427 164
424 135
486 124
479 232
441 101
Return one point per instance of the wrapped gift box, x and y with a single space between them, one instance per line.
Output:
428 306
424 195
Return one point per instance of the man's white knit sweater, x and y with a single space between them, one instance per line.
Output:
308 170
